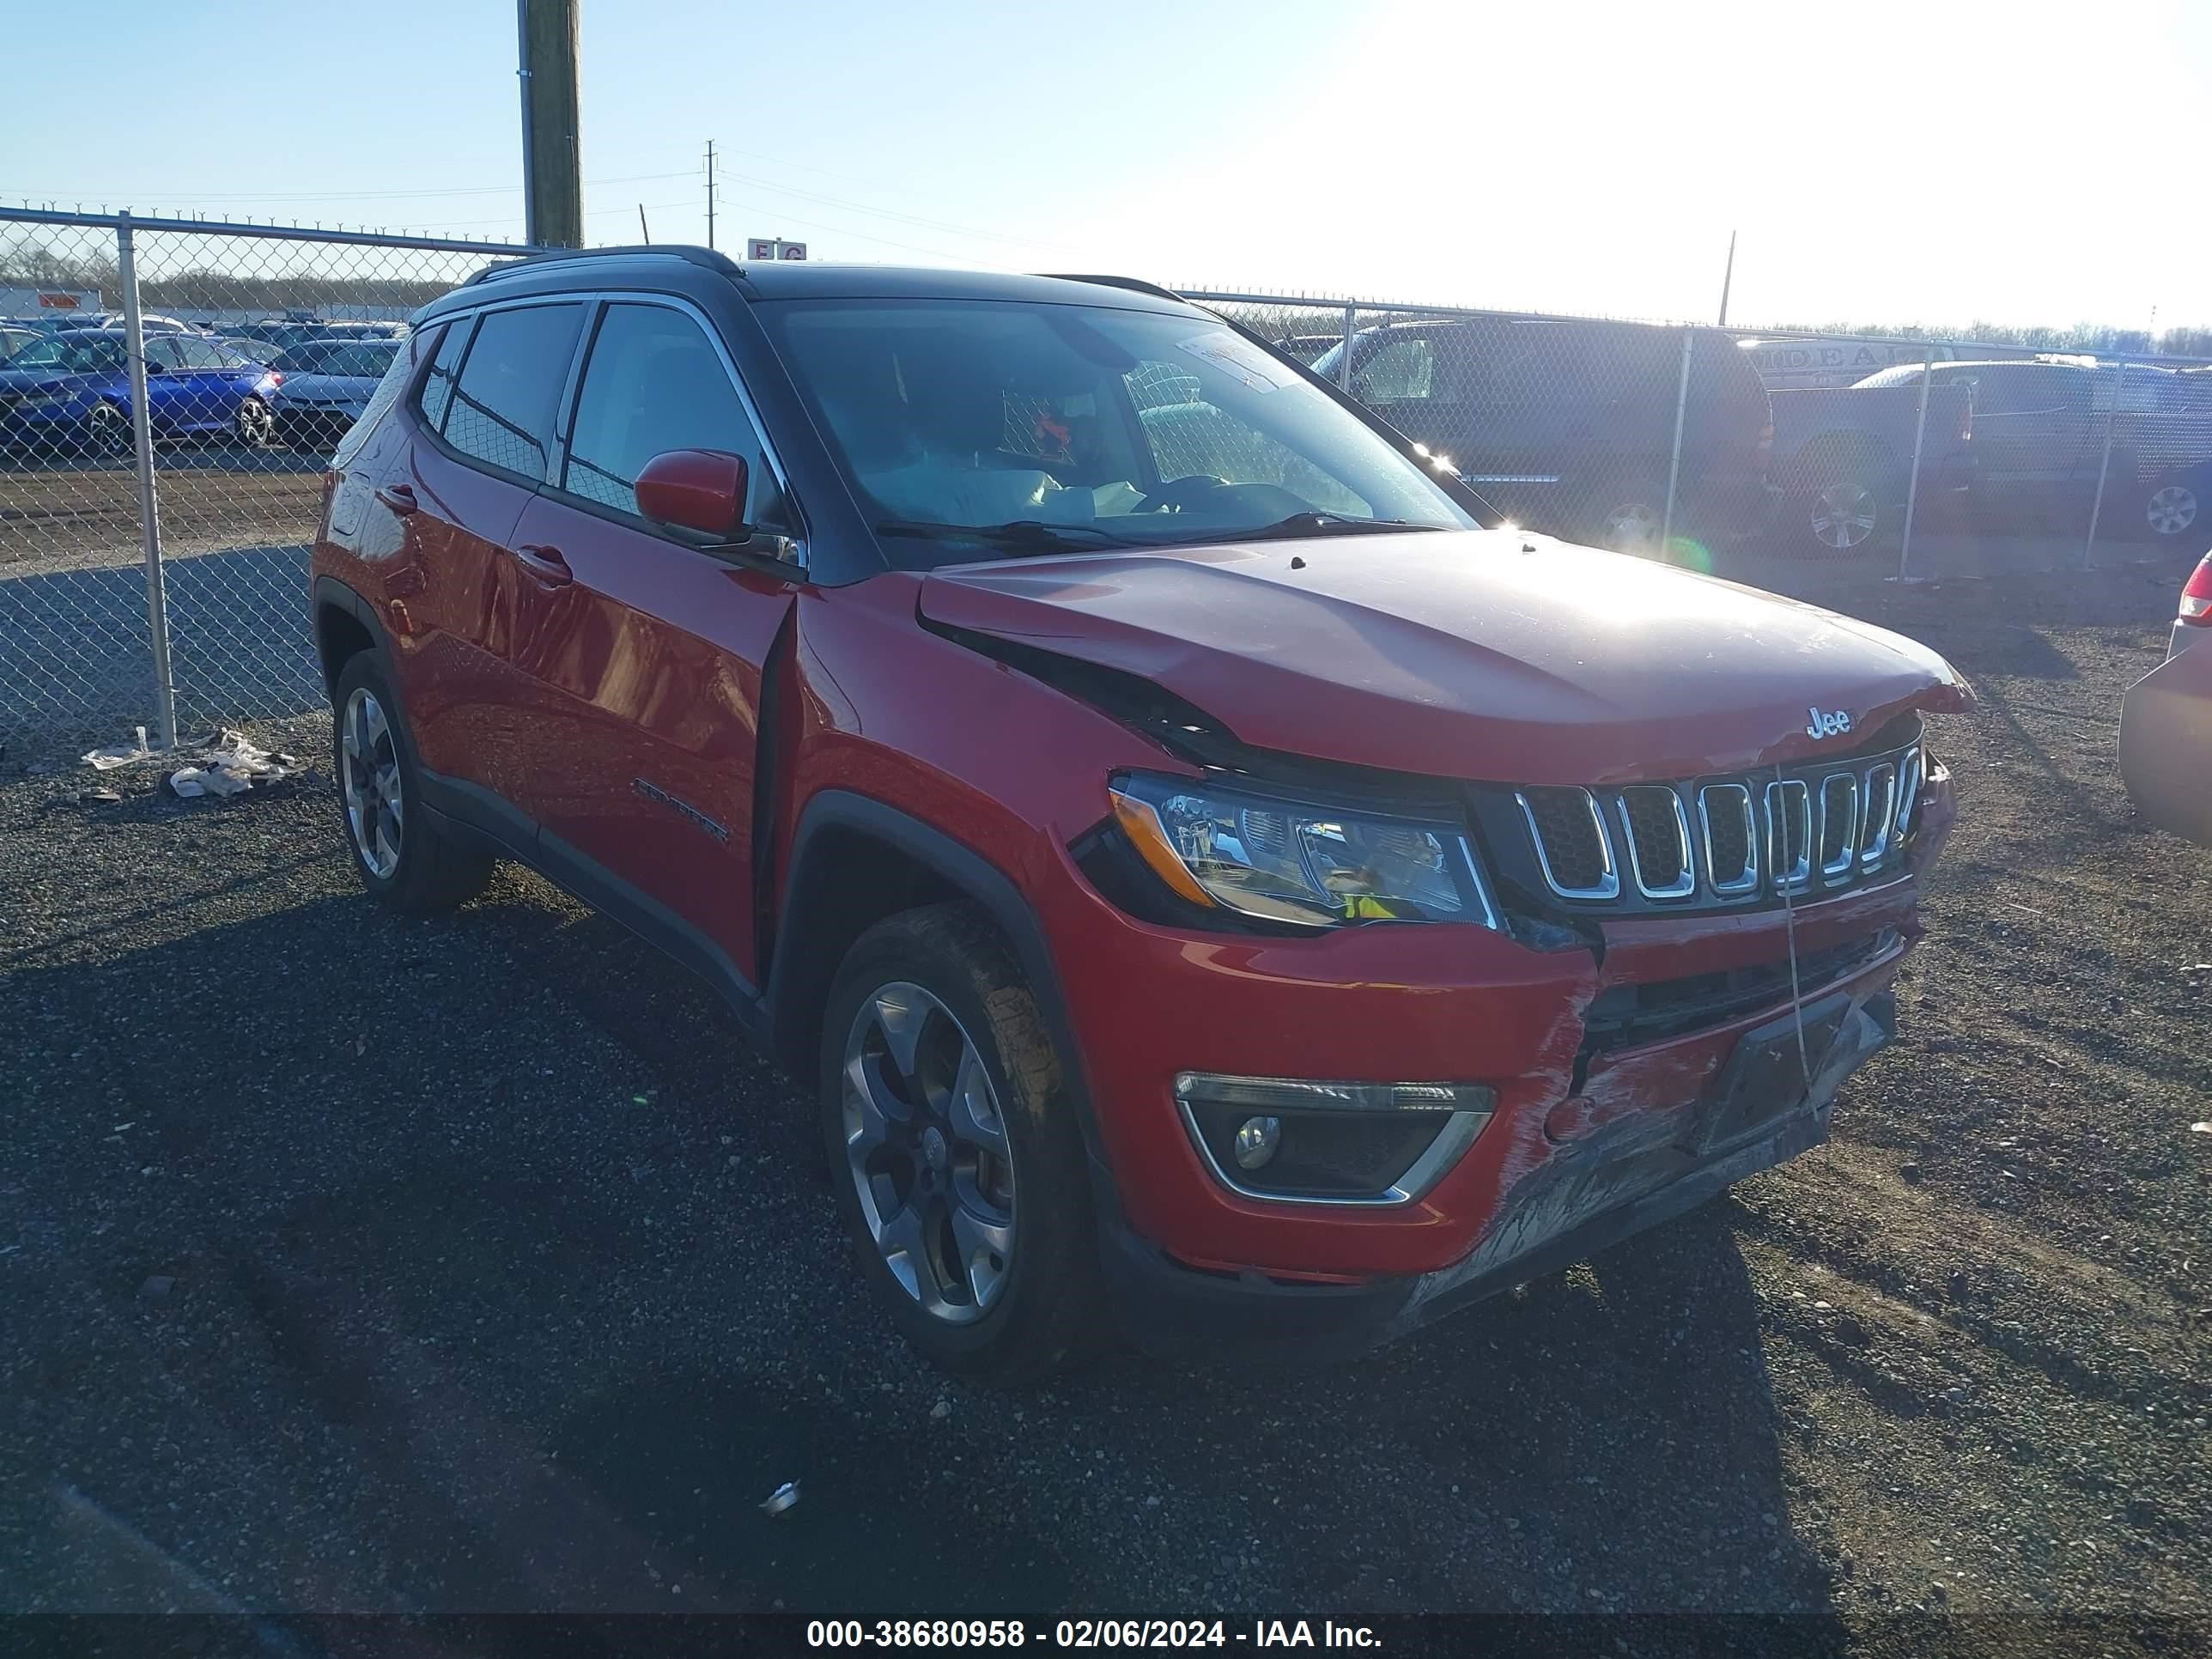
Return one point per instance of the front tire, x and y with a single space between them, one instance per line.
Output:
959 1166
403 857
107 431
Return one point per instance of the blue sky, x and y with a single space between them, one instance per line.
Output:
1889 160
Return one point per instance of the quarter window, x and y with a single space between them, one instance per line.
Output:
654 382
438 384
501 412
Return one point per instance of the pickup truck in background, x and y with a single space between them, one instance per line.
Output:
1843 460
2040 439
1567 425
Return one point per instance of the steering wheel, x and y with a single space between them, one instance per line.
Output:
1179 493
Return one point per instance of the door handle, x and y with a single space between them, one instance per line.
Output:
546 564
399 497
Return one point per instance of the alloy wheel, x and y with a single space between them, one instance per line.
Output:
111 430
2172 510
1844 515
1633 527
927 1149
255 425
369 761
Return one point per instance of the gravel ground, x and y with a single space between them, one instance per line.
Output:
355 1263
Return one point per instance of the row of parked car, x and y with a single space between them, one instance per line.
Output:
65 388
1568 426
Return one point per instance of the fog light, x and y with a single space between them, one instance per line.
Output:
1256 1140
1298 1140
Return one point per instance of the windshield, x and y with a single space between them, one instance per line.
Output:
72 353
1107 426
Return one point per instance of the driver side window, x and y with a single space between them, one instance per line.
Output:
1403 371
1190 437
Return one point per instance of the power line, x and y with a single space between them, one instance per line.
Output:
333 196
903 218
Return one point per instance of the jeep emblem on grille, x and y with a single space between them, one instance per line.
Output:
1827 725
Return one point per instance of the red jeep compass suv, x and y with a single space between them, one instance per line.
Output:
1215 879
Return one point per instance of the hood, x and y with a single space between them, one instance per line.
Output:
1487 655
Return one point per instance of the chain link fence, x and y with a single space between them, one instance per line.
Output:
169 389
168 393
1724 446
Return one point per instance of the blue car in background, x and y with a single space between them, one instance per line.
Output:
70 395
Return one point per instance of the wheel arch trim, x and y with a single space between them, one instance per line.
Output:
970 874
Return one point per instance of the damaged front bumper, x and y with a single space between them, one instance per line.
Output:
1770 1101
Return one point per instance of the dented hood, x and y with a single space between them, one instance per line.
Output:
1484 654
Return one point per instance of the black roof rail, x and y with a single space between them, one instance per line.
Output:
707 258
1134 284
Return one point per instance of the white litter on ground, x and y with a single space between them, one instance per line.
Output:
781 1498
221 763
119 754
230 769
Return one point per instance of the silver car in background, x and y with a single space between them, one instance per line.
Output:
326 385
2166 723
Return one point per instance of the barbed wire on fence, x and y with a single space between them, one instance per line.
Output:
159 488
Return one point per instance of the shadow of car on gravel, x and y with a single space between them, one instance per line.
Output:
573 1335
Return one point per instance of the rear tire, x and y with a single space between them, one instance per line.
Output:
1840 503
2172 508
404 857
957 1164
254 426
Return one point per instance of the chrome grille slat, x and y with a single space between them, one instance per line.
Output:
1676 875
1792 875
1908 788
1880 823
1607 884
1839 862
1733 803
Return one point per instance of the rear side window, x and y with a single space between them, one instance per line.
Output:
502 404
654 382
201 354
161 352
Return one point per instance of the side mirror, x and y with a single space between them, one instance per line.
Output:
152 368
700 490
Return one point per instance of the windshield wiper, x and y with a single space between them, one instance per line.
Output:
1322 524
1022 536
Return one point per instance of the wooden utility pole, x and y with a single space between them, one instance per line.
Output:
710 192
552 148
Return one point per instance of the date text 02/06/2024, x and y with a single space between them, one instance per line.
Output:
1085 1634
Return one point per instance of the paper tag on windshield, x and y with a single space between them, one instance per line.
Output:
1240 357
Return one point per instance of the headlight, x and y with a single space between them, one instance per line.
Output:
1291 861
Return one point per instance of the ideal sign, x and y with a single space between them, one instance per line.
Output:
1787 364
773 248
